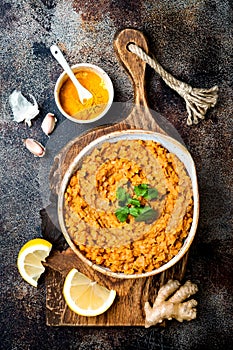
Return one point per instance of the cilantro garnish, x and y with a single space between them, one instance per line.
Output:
145 191
134 202
146 214
122 213
141 190
152 193
122 196
133 206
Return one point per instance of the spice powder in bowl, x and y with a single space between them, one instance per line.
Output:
95 80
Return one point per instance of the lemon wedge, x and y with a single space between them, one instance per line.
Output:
30 257
86 297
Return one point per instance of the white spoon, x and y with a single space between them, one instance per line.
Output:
83 93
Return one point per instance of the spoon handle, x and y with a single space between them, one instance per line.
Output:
83 93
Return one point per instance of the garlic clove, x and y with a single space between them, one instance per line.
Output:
48 124
22 109
34 147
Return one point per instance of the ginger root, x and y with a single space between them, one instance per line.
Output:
174 307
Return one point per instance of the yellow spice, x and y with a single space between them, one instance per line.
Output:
91 108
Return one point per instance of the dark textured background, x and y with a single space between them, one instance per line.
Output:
193 40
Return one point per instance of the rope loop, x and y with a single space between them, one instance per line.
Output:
198 101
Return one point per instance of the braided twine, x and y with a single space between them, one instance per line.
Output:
197 100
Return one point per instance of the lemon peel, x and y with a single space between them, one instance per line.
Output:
30 257
86 297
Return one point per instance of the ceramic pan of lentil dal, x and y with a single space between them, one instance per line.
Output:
100 201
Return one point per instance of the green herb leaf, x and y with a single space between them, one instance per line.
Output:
140 212
134 202
122 213
152 193
146 214
122 196
134 211
141 190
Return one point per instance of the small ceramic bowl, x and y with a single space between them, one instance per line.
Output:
87 67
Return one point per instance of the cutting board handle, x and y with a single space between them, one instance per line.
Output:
133 64
140 116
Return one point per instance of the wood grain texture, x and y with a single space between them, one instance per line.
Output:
128 308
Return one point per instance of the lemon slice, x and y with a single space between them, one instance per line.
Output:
86 297
30 257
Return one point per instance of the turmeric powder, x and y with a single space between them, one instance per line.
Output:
91 108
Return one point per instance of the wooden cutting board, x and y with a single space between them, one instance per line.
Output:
128 307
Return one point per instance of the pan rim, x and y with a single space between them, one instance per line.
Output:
133 134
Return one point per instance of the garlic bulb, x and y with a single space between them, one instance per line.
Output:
22 109
48 123
34 147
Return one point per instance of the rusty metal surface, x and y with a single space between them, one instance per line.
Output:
192 40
